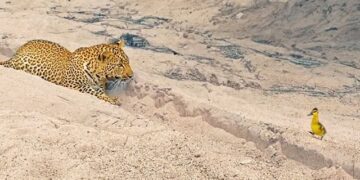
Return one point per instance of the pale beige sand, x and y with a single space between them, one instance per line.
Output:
198 115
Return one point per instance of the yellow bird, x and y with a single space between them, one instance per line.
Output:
316 127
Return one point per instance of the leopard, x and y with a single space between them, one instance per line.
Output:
87 69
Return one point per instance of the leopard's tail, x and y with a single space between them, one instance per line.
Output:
5 63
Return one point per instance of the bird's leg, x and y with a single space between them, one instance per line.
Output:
311 132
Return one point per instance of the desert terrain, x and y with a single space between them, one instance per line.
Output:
222 89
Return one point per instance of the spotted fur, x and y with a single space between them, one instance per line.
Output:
87 69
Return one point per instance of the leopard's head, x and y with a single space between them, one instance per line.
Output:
110 64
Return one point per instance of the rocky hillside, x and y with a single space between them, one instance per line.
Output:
327 29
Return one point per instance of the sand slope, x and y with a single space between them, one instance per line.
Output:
208 101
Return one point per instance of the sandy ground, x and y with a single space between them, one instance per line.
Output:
211 98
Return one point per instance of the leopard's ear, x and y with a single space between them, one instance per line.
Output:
106 55
121 43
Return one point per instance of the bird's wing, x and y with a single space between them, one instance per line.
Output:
322 128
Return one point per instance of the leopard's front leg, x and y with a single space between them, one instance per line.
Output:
100 93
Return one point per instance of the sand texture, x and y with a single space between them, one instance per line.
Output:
222 89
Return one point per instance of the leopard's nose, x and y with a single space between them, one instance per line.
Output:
130 74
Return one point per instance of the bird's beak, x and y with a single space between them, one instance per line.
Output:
310 114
